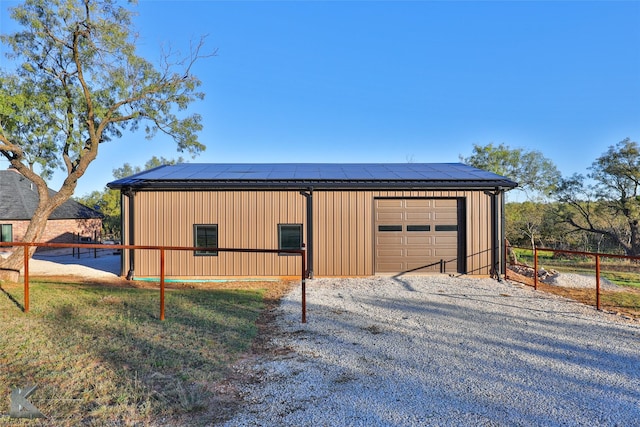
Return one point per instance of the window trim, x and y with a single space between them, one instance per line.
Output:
413 228
195 240
300 229
2 234
446 227
389 228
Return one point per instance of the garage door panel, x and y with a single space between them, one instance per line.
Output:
445 255
419 253
428 240
418 240
422 267
417 203
390 216
446 217
388 240
449 241
418 216
445 203
390 266
391 253
390 203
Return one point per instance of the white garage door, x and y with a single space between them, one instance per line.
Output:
416 235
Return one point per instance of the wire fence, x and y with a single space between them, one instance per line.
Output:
542 267
162 250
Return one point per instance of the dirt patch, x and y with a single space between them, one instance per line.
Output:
581 288
227 392
588 296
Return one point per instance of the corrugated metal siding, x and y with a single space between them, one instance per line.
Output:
343 233
245 220
343 230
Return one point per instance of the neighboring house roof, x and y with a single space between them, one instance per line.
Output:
314 175
19 200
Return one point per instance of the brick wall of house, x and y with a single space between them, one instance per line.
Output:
60 230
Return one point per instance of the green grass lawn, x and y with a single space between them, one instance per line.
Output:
100 356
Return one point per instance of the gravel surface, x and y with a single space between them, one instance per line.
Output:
443 351
573 280
103 264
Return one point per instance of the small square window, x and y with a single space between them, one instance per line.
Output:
289 236
447 227
385 228
6 233
205 236
419 227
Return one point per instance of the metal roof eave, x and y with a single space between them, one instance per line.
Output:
136 184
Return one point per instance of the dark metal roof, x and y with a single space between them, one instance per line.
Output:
316 175
19 200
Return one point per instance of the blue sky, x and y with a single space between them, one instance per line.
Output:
383 81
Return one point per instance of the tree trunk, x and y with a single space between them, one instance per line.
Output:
511 254
634 244
11 266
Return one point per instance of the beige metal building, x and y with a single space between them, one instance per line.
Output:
353 219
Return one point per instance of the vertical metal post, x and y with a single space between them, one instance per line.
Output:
26 278
503 234
535 268
131 231
304 286
495 249
504 255
309 222
598 282
161 284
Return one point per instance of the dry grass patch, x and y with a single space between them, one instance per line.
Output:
625 302
100 356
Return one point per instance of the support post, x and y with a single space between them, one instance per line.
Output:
161 284
598 282
309 220
535 268
26 278
496 250
304 287
130 193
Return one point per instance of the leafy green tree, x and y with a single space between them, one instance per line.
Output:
524 223
107 201
611 205
154 162
536 175
79 83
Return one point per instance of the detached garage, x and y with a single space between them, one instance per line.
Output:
353 219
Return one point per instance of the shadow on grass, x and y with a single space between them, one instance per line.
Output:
12 298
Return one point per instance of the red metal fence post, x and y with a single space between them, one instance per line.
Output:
161 284
598 282
535 268
26 278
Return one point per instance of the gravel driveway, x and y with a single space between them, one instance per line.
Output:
444 351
